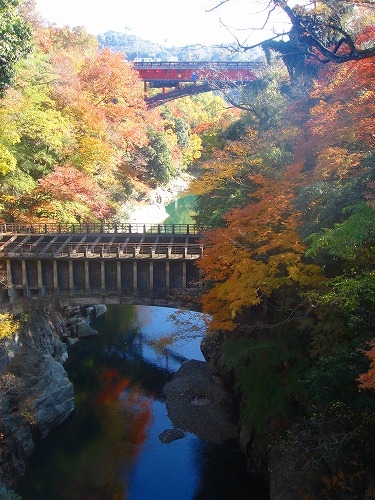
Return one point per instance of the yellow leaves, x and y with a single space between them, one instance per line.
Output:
194 150
219 171
7 161
7 326
336 162
93 154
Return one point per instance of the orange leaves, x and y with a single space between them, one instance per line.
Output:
347 104
103 93
66 183
258 252
367 380
335 162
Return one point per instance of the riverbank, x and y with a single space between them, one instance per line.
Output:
151 207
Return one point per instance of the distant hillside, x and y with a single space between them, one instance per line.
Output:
133 47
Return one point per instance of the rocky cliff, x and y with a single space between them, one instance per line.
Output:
35 393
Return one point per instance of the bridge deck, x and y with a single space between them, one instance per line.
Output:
44 269
124 245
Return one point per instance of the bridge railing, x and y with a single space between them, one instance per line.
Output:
197 65
103 228
116 250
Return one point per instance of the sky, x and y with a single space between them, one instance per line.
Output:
169 22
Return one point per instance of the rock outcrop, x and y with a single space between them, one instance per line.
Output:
198 402
78 321
36 394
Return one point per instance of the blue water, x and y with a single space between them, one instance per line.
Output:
110 448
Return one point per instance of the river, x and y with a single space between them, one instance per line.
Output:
110 448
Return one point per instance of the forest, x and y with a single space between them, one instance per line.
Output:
286 184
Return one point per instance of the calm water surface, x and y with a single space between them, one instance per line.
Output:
110 448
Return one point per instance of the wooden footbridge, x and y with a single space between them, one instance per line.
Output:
54 265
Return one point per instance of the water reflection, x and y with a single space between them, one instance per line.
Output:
109 448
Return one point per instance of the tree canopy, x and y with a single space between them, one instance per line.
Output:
15 40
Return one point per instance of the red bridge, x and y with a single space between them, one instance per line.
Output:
192 77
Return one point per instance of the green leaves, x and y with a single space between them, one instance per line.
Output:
349 240
15 41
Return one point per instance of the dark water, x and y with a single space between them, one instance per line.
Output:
109 448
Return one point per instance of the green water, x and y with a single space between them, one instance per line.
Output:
181 211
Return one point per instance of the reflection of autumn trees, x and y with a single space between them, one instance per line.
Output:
118 395
125 415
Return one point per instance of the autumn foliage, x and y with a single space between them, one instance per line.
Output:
289 265
77 140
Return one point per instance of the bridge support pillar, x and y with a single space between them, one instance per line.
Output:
135 277
55 277
87 276
184 275
118 275
71 277
151 277
40 278
9 281
24 279
167 276
102 275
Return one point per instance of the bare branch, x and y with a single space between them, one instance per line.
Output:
218 5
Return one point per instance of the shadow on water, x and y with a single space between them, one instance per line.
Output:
109 448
